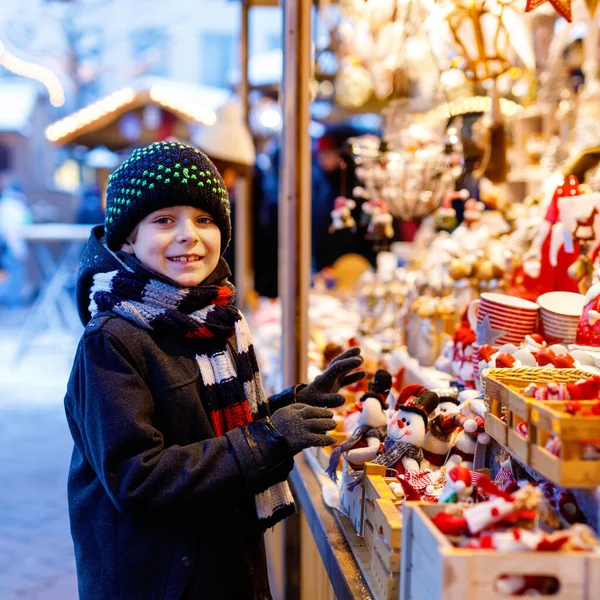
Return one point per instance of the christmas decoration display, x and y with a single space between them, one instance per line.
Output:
503 274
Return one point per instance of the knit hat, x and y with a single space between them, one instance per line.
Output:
423 406
379 388
160 175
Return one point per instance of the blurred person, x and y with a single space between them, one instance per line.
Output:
333 176
14 216
180 462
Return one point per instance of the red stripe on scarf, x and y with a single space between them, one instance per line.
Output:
223 296
201 332
230 417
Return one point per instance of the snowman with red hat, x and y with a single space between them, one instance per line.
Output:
402 448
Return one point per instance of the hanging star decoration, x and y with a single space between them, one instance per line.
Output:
562 7
486 334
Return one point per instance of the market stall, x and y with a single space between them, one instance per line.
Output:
475 440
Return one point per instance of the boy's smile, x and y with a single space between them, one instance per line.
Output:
182 243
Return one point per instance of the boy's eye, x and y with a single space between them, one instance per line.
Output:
162 220
204 220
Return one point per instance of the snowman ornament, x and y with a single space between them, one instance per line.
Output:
402 448
438 442
371 428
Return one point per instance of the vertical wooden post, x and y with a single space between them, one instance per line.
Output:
244 58
294 227
295 191
244 273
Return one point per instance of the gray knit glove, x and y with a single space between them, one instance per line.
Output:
323 391
304 426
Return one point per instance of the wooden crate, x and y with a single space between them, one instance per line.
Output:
496 394
376 488
570 469
352 501
384 583
508 407
433 569
368 533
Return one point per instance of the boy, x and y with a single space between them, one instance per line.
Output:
177 467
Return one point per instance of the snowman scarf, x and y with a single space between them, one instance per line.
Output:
230 382
392 452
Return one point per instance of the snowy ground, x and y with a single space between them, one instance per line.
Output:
36 555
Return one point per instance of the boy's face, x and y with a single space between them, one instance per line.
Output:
182 243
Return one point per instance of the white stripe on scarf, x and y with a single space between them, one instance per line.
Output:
219 368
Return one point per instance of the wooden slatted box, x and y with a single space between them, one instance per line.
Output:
508 407
569 469
433 569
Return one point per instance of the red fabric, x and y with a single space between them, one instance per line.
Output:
436 460
201 332
230 417
450 525
589 335
223 296
412 390
325 144
556 278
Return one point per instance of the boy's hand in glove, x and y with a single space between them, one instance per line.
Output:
304 426
323 391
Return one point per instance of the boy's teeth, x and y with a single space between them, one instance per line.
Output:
184 258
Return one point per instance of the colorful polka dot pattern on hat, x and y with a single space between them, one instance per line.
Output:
158 176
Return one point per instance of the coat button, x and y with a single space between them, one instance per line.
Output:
186 561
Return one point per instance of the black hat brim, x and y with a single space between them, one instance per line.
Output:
450 399
417 411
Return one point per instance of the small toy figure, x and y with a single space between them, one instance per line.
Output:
470 421
371 426
342 214
438 443
402 448
379 228
459 486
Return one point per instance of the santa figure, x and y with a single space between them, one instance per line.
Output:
554 259
588 330
462 355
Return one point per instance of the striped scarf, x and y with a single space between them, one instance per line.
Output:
230 381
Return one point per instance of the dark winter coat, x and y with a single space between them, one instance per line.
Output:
160 508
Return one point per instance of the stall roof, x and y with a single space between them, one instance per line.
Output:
189 102
17 99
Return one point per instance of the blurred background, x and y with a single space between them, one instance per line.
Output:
84 82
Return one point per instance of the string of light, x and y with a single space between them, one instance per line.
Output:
34 71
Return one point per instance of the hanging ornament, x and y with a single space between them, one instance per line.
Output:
379 229
353 84
562 7
341 215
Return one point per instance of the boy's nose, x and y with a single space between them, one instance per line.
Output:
187 232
